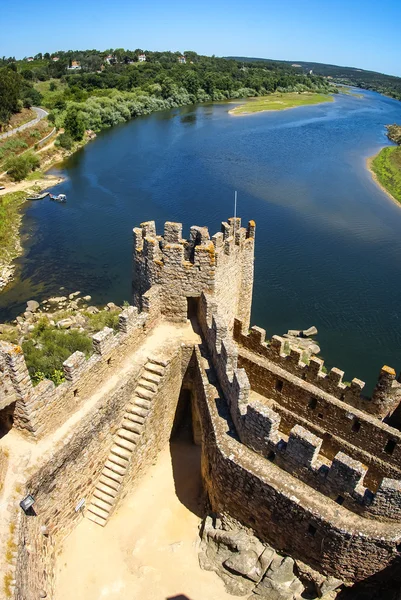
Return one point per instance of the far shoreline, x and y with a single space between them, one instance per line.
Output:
324 98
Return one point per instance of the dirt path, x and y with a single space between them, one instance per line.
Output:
148 550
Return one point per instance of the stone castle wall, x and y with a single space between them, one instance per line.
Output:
383 402
40 410
71 472
182 269
287 513
342 427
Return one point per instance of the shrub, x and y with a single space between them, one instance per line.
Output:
102 319
65 140
48 348
18 167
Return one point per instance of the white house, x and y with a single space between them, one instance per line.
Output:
182 60
142 58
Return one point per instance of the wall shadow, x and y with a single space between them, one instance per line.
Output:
179 597
186 458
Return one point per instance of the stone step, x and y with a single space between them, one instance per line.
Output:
102 496
111 483
158 361
102 505
153 368
99 520
117 470
133 418
132 426
106 489
152 377
143 393
138 411
121 452
148 385
118 461
142 403
131 435
98 511
123 443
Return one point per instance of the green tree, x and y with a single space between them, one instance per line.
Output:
10 89
74 123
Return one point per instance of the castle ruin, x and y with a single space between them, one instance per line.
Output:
300 458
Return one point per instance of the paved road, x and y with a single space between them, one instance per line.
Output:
40 115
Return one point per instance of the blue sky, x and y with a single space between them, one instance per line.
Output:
360 33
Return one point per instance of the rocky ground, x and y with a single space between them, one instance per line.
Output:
72 311
252 569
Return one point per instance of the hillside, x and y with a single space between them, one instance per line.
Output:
369 80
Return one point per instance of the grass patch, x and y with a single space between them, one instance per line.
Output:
278 101
22 117
35 176
50 96
102 319
48 348
7 585
387 168
346 90
10 205
23 140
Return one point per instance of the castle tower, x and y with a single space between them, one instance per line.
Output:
172 272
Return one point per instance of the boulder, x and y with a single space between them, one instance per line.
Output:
243 563
72 296
87 298
93 310
111 306
309 332
329 585
57 299
64 323
281 570
32 306
272 591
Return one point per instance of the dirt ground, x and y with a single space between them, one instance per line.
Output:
149 548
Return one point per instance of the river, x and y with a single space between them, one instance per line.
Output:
328 243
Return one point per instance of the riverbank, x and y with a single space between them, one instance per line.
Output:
279 101
385 168
11 205
13 198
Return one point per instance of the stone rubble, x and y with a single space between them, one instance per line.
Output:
249 567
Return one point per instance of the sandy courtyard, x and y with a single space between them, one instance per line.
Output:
148 550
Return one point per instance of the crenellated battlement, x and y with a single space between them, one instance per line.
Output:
386 395
258 425
40 409
184 268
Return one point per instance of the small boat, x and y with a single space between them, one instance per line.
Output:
38 196
59 198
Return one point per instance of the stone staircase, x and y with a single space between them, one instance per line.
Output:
125 441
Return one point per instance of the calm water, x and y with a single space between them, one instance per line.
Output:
328 249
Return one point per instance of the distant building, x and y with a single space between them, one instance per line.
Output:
296 65
182 60
311 72
75 66
142 58
55 58
30 58
110 59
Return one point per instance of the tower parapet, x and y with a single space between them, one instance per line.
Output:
184 268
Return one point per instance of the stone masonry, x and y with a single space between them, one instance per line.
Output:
306 463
